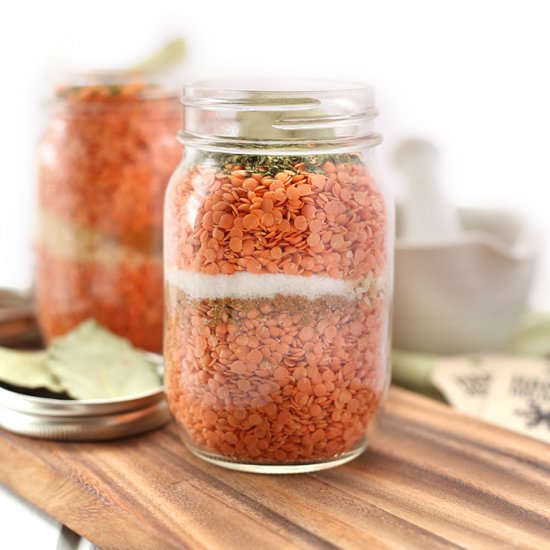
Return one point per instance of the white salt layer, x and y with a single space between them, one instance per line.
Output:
250 285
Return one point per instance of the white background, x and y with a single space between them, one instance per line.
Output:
473 76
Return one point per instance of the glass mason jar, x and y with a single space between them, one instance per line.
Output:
278 254
103 166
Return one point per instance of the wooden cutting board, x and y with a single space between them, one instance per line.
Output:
432 478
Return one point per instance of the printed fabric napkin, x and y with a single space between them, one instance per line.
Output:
510 388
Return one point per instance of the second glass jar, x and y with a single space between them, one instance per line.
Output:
278 276
103 166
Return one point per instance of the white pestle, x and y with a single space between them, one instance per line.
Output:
426 215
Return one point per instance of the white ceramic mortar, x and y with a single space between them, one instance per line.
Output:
464 294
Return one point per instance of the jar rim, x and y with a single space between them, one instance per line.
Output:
268 94
142 85
276 86
278 115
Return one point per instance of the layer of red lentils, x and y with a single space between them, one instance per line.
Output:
277 379
296 221
103 168
124 297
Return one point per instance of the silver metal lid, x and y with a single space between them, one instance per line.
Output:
81 420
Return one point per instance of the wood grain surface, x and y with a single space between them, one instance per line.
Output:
18 327
431 479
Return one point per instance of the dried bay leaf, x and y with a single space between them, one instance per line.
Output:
27 369
92 363
170 55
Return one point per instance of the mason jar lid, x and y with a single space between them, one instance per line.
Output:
83 420
283 116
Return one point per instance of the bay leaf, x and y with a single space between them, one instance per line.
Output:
92 363
170 55
27 369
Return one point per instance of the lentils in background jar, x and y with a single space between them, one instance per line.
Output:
104 164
